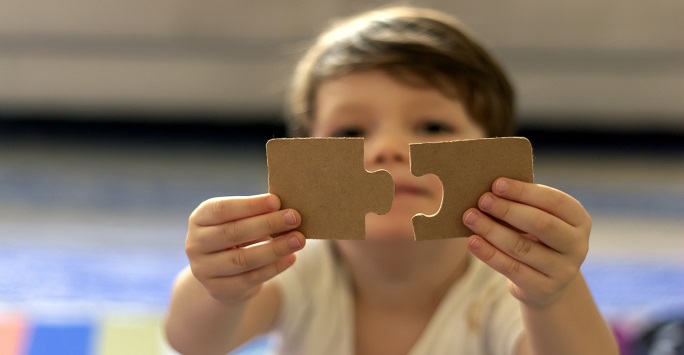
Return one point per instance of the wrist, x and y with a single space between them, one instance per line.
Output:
555 300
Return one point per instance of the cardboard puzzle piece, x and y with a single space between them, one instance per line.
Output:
467 169
325 180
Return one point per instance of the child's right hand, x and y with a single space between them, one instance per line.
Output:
235 244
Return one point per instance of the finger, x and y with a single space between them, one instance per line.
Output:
548 228
543 197
260 240
529 252
240 260
242 232
224 209
247 284
522 275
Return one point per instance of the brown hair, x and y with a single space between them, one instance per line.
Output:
419 47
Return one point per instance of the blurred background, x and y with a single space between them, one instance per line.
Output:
117 118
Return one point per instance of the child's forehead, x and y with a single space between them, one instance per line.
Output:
353 91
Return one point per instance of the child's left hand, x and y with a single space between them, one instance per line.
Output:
542 247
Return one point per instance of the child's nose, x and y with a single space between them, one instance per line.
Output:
387 150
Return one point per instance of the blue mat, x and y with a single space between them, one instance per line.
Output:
85 284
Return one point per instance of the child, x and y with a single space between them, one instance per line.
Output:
394 76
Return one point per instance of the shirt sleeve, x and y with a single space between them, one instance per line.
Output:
299 287
290 285
505 326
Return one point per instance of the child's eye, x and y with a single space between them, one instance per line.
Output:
435 127
349 132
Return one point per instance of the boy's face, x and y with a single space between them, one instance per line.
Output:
390 114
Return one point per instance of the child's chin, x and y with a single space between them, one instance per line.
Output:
387 237
391 226
389 232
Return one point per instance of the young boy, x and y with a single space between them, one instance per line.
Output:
394 76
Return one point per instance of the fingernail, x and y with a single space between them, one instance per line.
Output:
486 202
294 243
272 202
475 243
501 185
470 218
290 217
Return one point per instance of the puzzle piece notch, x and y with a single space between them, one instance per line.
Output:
467 169
325 180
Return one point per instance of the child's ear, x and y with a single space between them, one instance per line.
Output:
467 169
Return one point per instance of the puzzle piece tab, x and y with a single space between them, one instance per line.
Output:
467 169
325 180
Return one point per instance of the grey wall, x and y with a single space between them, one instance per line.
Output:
599 63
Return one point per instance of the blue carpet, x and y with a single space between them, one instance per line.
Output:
86 278
82 283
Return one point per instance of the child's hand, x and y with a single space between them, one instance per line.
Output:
234 244
542 247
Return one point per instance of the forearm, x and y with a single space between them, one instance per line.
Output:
572 325
198 324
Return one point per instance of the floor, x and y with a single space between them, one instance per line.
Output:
92 234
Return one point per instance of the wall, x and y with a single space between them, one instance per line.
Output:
597 63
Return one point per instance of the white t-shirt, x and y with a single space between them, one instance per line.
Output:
477 316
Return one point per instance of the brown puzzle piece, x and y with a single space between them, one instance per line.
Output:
467 169
324 179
